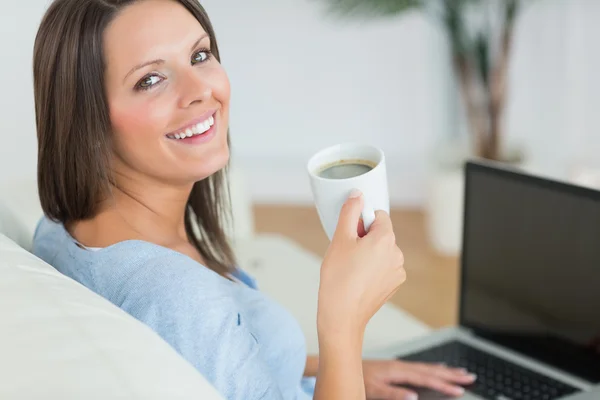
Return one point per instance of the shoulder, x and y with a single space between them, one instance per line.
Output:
161 287
130 273
47 239
166 278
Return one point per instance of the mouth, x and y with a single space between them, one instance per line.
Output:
202 126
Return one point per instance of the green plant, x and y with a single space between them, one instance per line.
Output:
480 35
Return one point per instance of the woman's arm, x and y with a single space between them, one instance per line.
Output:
357 277
340 374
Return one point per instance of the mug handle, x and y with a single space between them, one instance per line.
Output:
368 217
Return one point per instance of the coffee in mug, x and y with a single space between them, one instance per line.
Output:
344 169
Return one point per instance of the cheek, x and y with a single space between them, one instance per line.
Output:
135 121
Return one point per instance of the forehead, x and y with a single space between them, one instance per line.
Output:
149 29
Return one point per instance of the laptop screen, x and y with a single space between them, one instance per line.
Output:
531 267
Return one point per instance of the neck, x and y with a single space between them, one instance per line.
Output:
152 208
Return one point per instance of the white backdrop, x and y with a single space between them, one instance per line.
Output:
302 81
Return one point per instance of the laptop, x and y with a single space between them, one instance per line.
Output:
529 318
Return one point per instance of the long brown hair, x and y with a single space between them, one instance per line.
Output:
74 128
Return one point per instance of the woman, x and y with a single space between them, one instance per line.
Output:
132 109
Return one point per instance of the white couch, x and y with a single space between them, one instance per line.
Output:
58 340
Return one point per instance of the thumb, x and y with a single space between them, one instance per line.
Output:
350 215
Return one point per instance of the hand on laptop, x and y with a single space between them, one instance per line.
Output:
381 378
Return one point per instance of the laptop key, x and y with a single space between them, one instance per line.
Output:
498 379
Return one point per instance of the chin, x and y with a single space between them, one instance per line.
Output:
212 165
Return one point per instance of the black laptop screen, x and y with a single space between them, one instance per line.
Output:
531 267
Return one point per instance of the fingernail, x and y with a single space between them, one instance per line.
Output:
355 193
467 373
411 396
459 391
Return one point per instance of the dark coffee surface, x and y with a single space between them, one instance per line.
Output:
345 169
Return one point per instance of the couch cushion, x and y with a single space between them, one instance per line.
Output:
58 340
13 227
20 211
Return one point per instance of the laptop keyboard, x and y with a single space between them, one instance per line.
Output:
496 378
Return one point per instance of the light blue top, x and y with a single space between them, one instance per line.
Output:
244 343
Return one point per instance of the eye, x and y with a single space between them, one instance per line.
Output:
201 56
148 81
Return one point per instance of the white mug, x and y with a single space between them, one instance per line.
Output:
331 194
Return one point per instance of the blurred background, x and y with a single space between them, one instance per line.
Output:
431 82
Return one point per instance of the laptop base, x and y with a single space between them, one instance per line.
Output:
444 336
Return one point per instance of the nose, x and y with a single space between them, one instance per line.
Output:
193 88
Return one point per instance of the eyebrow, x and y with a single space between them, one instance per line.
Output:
159 61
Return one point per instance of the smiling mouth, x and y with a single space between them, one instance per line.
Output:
194 130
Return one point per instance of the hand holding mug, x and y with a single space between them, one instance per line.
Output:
358 275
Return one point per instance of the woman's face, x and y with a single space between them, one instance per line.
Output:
168 96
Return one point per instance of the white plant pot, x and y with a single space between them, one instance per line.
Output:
444 210
586 174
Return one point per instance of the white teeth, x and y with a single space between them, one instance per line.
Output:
197 129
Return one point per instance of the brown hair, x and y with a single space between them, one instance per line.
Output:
74 128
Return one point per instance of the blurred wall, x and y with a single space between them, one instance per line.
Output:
302 81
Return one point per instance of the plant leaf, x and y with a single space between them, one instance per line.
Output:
512 7
371 8
482 58
453 19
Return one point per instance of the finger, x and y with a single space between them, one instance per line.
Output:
350 215
390 392
451 375
382 223
417 378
